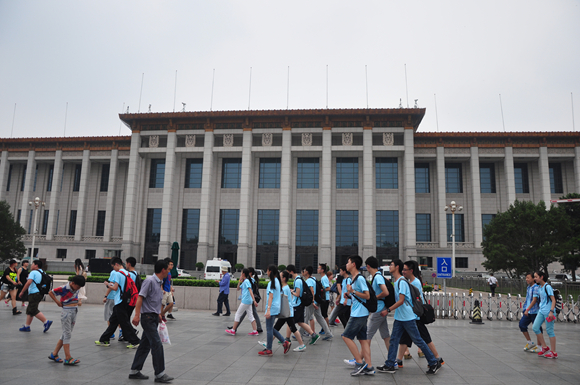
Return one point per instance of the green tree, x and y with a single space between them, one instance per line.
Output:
524 238
570 256
11 233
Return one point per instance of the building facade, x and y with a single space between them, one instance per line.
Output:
283 186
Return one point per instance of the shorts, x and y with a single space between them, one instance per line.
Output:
377 322
167 298
423 332
526 320
299 314
33 302
356 327
324 308
8 287
290 321
68 318
109 305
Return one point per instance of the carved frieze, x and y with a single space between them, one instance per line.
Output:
228 140
267 140
189 140
457 151
388 139
154 141
347 138
307 139
561 151
530 151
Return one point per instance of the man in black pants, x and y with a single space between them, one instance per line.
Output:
119 316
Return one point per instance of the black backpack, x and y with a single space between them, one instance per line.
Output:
45 284
319 292
371 303
558 297
417 302
256 290
389 300
137 279
305 293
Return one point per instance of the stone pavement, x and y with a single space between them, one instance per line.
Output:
201 353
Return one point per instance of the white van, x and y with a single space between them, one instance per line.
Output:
213 268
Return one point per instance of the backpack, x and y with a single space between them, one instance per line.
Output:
417 303
334 288
389 300
305 295
45 284
256 290
138 280
129 293
558 306
371 303
319 292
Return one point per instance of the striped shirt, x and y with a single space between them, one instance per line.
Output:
68 296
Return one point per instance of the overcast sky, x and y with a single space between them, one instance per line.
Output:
93 54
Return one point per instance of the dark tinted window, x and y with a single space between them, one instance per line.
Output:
346 173
307 173
556 185
346 228
268 221
423 224
306 227
153 226
157 175
193 173
386 173
269 173
387 228
459 229
521 178
453 178
231 172
229 227
487 178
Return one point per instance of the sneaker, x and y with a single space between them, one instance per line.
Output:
300 348
529 347
321 331
164 379
138 376
440 359
315 338
229 327
266 353
386 369
170 316
544 350
131 346
358 369
254 333
328 338
260 331
231 332
396 366
121 338
24 328
105 344
47 326
369 371
24 305
535 349
112 337
399 364
351 362
551 354
421 354
263 343
287 345
433 369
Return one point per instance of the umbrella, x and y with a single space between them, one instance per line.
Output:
174 258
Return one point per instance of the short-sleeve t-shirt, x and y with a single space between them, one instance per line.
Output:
286 290
379 280
545 300
531 292
36 277
9 273
120 279
275 310
325 284
68 296
311 282
112 276
405 311
167 283
297 285
357 308
246 286
345 282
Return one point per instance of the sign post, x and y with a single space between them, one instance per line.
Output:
444 270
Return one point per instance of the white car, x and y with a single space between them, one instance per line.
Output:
183 273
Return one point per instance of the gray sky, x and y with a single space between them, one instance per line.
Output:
92 54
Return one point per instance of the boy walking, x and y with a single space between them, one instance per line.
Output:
531 308
69 300
34 298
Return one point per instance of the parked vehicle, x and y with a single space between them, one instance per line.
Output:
183 273
213 268
386 273
259 273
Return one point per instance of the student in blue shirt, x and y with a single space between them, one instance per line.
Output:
313 310
285 277
34 298
531 308
246 304
298 305
405 319
273 304
325 282
545 314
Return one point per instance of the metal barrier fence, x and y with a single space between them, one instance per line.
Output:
508 307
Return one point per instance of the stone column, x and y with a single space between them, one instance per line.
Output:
111 195
4 166
54 195
244 241
132 197
508 165
441 197
207 198
26 194
325 214
167 205
410 229
476 196
285 231
83 191
368 216
577 168
544 168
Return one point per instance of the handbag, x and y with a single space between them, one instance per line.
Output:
284 306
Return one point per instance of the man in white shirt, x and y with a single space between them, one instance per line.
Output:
492 281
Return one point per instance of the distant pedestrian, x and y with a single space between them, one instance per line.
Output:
168 291
10 284
545 314
147 311
22 278
80 270
34 298
492 281
224 293
531 308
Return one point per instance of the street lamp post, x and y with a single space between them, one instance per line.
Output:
36 203
453 208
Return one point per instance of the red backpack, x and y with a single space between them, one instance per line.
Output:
129 293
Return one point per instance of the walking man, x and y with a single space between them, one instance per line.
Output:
147 310
531 308
492 281
34 298
224 293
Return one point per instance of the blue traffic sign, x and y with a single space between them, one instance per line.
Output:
444 269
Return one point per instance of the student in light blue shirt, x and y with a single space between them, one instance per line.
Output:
545 314
531 307
34 298
325 282
246 305
313 310
298 305
273 298
285 277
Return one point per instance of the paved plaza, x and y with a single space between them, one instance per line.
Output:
201 353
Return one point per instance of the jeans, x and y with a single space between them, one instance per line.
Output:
120 317
271 332
223 299
411 328
150 342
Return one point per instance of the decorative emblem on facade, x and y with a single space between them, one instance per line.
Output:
307 139
388 138
154 141
266 140
189 140
347 138
228 140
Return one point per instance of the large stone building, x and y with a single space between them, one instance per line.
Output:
285 186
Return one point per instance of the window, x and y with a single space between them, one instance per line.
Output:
35 178
268 221
193 173
45 222
387 228
105 170
423 225
9 178
50 175
231 172
77 178
306 227
346 228
521 178
308 169
422 178
386 173
61 253
72 223
269 173
153 226
425 262
459 234
461 262
18 216
487 178
23 179
157 175
190 226
485 219
453 178
346 173
556 185
101 215
90 254
229 226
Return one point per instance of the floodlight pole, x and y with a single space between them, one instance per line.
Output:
36 203
453 208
